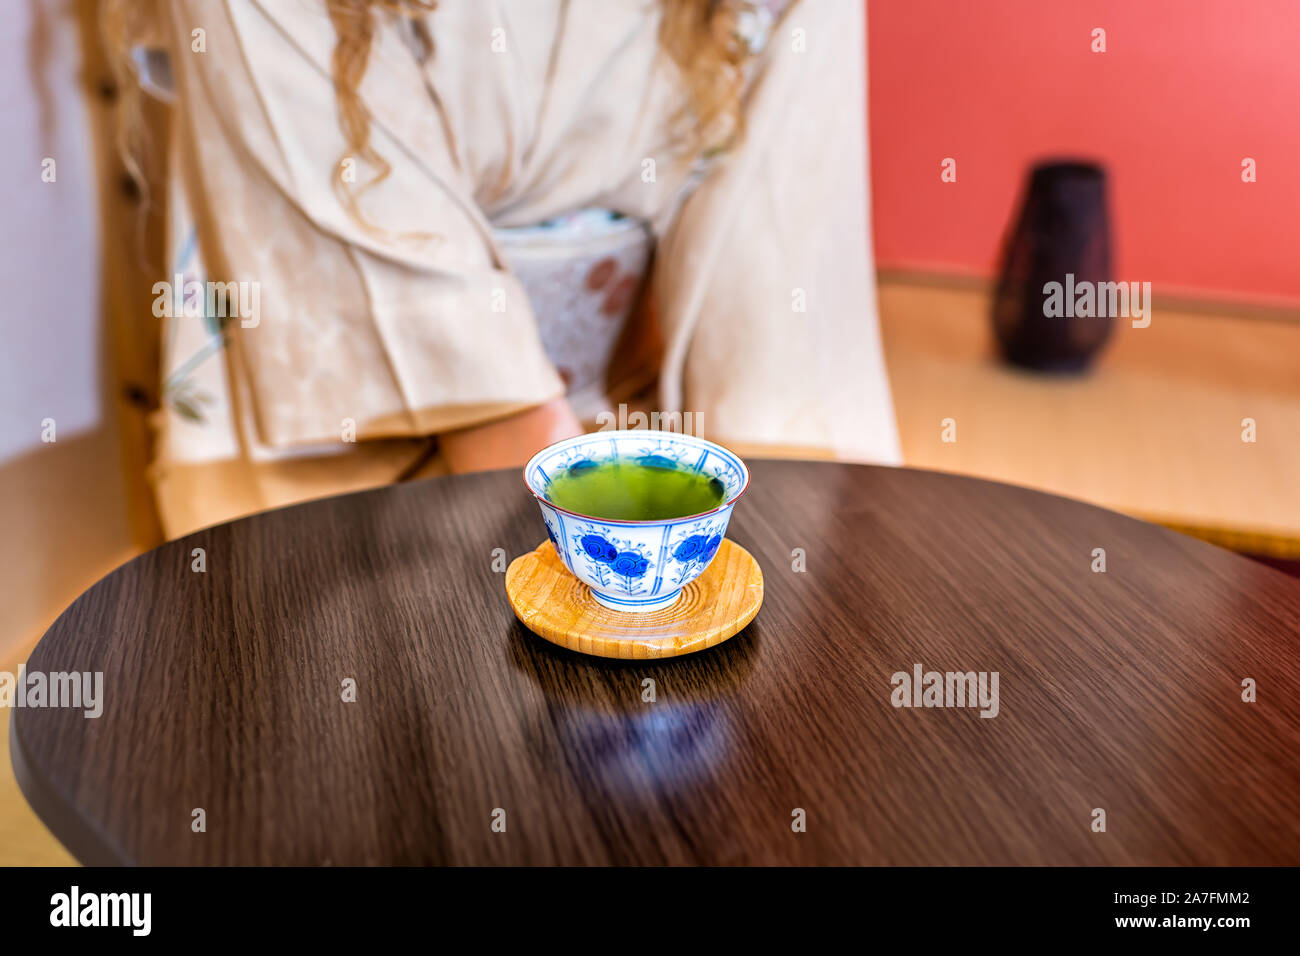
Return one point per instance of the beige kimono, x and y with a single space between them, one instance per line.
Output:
411 325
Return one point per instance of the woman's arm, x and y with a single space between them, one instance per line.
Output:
509 442
397 319
766 278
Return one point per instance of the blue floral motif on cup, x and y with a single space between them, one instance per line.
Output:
598 548
690 548
657 461
629 564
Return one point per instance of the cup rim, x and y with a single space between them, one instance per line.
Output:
744 473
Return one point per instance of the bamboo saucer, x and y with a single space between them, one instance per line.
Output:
553 604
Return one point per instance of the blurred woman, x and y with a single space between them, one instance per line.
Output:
390 179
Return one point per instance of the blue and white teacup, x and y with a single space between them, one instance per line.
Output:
636 565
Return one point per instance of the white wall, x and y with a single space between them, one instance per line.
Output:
48 248
62 517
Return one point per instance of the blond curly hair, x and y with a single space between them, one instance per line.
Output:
699 35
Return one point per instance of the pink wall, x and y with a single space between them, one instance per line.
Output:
1184 91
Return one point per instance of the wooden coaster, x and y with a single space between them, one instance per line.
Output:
553 604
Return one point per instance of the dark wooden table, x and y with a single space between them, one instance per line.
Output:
1119 690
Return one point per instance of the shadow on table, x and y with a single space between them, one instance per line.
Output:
568 676
631 733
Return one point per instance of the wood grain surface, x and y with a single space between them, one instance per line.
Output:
1119 690
554 604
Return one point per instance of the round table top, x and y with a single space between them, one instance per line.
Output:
471 741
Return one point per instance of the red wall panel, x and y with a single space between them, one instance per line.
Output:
1185 90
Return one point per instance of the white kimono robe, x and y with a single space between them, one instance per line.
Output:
409 323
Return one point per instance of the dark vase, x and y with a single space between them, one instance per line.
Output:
1061 235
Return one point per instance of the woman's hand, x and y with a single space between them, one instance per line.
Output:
509 442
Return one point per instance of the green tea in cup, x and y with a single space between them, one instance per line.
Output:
632 491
